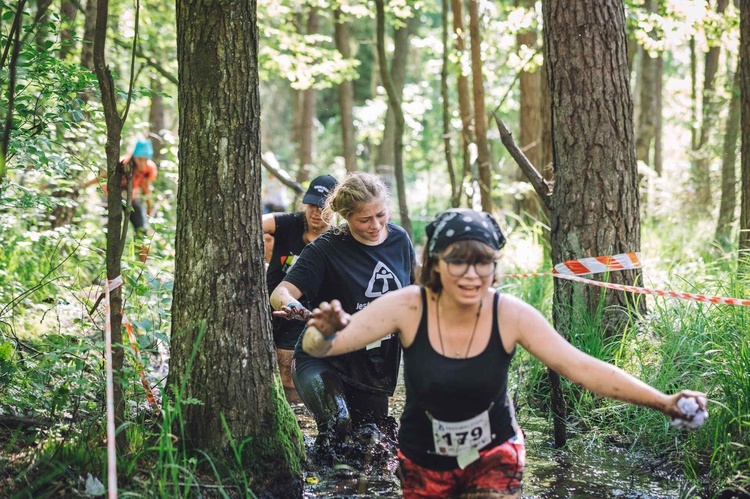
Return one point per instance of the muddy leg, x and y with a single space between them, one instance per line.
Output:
322 391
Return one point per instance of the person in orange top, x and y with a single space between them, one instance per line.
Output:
144 172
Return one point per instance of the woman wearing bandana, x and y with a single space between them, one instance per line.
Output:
458 432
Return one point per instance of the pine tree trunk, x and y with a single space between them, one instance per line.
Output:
659 111
309 112
462 84
448 149
222 350
346 95
728 166
745 154
531 118
595 199
701 167
480 113
646 122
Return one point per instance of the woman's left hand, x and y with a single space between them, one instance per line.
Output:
686 413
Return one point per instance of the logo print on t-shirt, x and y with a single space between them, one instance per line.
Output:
287 261
383 280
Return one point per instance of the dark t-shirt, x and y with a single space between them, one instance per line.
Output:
337 266
288 245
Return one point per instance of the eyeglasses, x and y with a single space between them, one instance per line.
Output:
459 268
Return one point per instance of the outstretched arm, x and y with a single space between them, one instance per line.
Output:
331 331
529 328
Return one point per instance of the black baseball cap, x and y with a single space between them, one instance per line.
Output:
319 189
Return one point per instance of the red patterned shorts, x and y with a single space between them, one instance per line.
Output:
498 470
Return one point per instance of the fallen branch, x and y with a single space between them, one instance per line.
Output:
17 422
540 185
283 177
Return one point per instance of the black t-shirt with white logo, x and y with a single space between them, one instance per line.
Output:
337 266
288 245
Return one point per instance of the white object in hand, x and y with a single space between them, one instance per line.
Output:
690 407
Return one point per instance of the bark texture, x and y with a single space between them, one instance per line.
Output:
480 113
595 199
728 166
346 95
701 167
222 351
462 84
532 117
745 154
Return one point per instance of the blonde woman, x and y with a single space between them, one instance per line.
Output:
363 258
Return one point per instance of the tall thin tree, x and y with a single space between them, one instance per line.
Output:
394 103
480 113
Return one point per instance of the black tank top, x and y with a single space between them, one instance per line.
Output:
453 390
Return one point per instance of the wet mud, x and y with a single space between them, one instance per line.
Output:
367 468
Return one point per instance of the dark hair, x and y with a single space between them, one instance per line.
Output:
469 250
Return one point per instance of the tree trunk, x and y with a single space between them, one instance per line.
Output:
222 350
455 196
728 166
156 118
745 152
42 31
595 199
116 229
480 113
385 159
68 11
531 119
346 94
693 94
462 83
87 47
309 112
659 111
394 103
701 167
647 102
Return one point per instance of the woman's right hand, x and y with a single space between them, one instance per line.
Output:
293 311
329 318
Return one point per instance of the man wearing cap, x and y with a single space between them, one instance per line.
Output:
292 232
144 172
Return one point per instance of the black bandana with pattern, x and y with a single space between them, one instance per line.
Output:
461 224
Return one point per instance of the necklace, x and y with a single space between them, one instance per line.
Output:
473 331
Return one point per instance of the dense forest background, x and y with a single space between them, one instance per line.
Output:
336 94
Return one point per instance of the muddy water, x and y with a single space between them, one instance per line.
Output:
581 470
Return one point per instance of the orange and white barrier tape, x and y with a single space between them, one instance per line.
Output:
599 264
140 366
111 450
572 269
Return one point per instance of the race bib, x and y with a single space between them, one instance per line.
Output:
379 343
462 437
